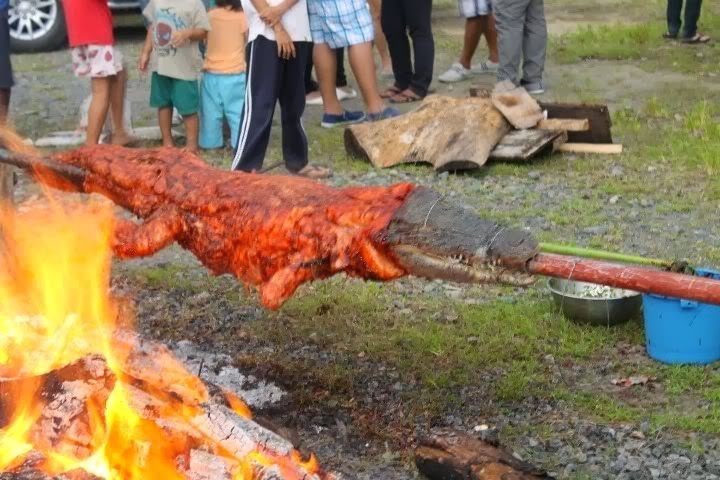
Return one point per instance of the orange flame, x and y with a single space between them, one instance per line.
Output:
54 310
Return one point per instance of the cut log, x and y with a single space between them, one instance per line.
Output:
524 145
566 124
449 455
597 115
516 104
449 133
605 148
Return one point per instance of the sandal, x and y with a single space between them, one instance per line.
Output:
407 96
315 172
670 36
390 92
697 38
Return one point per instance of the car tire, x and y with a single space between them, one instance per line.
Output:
51 34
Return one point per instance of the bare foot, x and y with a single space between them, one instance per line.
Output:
123 139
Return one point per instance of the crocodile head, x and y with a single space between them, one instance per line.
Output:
433 238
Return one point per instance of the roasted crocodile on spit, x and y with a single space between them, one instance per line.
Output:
277 232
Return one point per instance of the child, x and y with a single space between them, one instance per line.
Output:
479 21
338 24
176 29
279 45
223 81
6 72
90 34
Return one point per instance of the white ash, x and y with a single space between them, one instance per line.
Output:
218 369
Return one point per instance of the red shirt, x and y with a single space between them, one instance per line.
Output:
89 22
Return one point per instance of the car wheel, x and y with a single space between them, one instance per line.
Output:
36 25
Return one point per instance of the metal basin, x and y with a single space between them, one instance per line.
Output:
571 297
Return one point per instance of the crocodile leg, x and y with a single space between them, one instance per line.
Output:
159 230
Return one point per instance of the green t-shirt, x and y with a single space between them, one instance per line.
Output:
167 17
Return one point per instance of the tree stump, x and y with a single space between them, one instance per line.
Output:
450 455
449 133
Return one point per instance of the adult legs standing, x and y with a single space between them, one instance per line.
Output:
692 14
534 45
510 16
394 26
674 21
418 15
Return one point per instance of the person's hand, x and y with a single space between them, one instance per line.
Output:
272 15
180 38
143 62
286 47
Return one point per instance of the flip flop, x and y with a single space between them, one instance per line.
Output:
670 36
315 172
390 92
404 97
697 38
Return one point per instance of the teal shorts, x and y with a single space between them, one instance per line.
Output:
168 92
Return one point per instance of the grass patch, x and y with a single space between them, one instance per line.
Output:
640 42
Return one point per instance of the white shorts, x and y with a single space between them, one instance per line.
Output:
96 61
474 8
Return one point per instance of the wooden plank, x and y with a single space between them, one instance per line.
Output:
606 148
598 116
524 145
516 104
567 124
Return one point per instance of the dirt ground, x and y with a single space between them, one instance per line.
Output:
368 367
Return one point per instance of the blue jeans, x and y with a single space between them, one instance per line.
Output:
222 96
674 17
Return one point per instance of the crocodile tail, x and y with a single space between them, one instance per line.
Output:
14 151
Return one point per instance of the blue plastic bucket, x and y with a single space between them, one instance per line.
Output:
682 331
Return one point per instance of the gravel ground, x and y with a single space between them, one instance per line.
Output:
641 221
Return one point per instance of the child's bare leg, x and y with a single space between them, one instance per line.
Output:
363 66
99 105
118 85
165 121
380 41
491 37
325 60
473 32
192 127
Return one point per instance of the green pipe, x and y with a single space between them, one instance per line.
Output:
603 255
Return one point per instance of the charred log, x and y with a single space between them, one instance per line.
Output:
450 455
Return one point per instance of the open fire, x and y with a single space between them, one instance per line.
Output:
79 395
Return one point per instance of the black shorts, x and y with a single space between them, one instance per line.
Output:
6 72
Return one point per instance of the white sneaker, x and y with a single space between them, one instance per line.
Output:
456 73
345 93
313 98
484 67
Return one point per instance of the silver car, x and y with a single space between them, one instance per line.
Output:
39 25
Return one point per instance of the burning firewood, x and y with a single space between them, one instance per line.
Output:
450 455
79 394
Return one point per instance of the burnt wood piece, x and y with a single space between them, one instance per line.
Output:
524 145
446 454
597 114
449 133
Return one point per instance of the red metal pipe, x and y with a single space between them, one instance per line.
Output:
639 279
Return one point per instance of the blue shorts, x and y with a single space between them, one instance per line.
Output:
341 23
222 96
